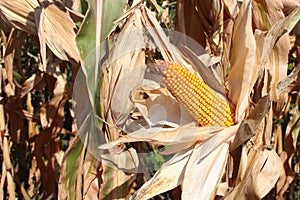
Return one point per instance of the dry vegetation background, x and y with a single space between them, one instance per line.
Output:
100 135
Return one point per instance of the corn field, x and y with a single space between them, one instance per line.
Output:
145 99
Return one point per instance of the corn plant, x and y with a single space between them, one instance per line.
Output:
149 99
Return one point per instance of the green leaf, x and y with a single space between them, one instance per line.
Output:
113 9
86 87
294 21
71 169
86 40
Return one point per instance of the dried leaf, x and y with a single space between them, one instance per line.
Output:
123 168
168 50
250 125
202 174
242 61
189 22
36 81
159 109
125 59
268 174
9 55
49 110
168 177
173 172
262 172
210 137
19 14
91 189
181 137
10 186
289 6
285 83
232 7
91 179
126 84
286 177
59 37
275 45
7 165
34 180
7 88
284 25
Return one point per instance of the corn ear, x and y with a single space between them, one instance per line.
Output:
204 104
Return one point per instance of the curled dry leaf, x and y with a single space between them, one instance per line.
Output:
285 83
160 108
268 173
125 58
19 14
232 7
35 82
263 169
288 152
59 37
210 24
169 51
44 20
250 125
168 177
186 136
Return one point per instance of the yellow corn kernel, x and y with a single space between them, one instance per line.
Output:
204 104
